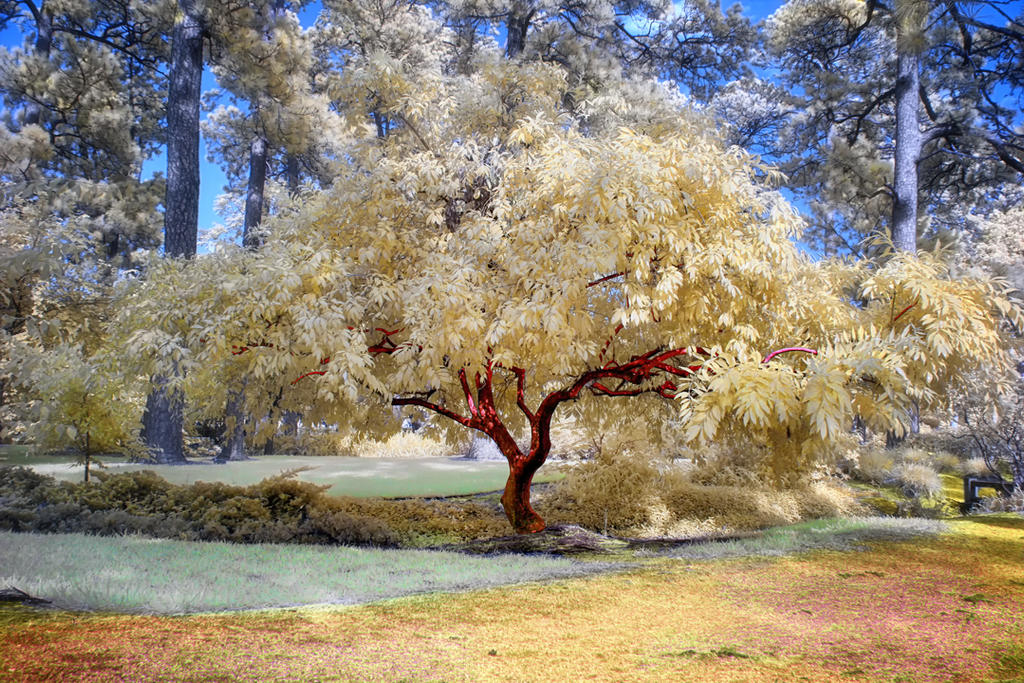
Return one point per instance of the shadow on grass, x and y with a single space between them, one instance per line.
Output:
1010 665
15 614
825 534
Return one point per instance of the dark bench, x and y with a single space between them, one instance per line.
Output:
973 484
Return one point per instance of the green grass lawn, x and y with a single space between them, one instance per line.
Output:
158 576
347 476
134 574
908 606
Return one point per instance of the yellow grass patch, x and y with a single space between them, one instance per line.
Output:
948 608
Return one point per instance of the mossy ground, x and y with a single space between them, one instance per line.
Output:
940 608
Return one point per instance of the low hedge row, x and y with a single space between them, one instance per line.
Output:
279 509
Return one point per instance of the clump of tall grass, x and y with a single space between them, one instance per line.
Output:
404 444
918 479
974 467
946 462
875 465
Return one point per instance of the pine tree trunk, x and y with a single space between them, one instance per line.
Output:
908 150
905 178
162 423
163 419
906 158
234 437
516 27
290 423
181 202
251 237
292 175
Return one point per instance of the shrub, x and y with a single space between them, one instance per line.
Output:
236 519
428 522
24 483
638 495
345 528
283 495
279 509
131 491
56 518
14 517
613 491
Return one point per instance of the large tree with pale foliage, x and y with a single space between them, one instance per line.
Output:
491 262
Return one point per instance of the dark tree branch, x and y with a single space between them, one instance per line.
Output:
439 409
1002 151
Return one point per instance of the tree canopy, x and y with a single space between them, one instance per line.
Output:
491 260
496 233
836 108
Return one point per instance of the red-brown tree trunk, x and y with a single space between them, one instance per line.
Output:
515 500
521 467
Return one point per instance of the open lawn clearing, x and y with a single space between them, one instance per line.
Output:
936 608
347 476
159 576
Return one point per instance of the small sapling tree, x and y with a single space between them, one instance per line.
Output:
492 260
60 376
76 402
